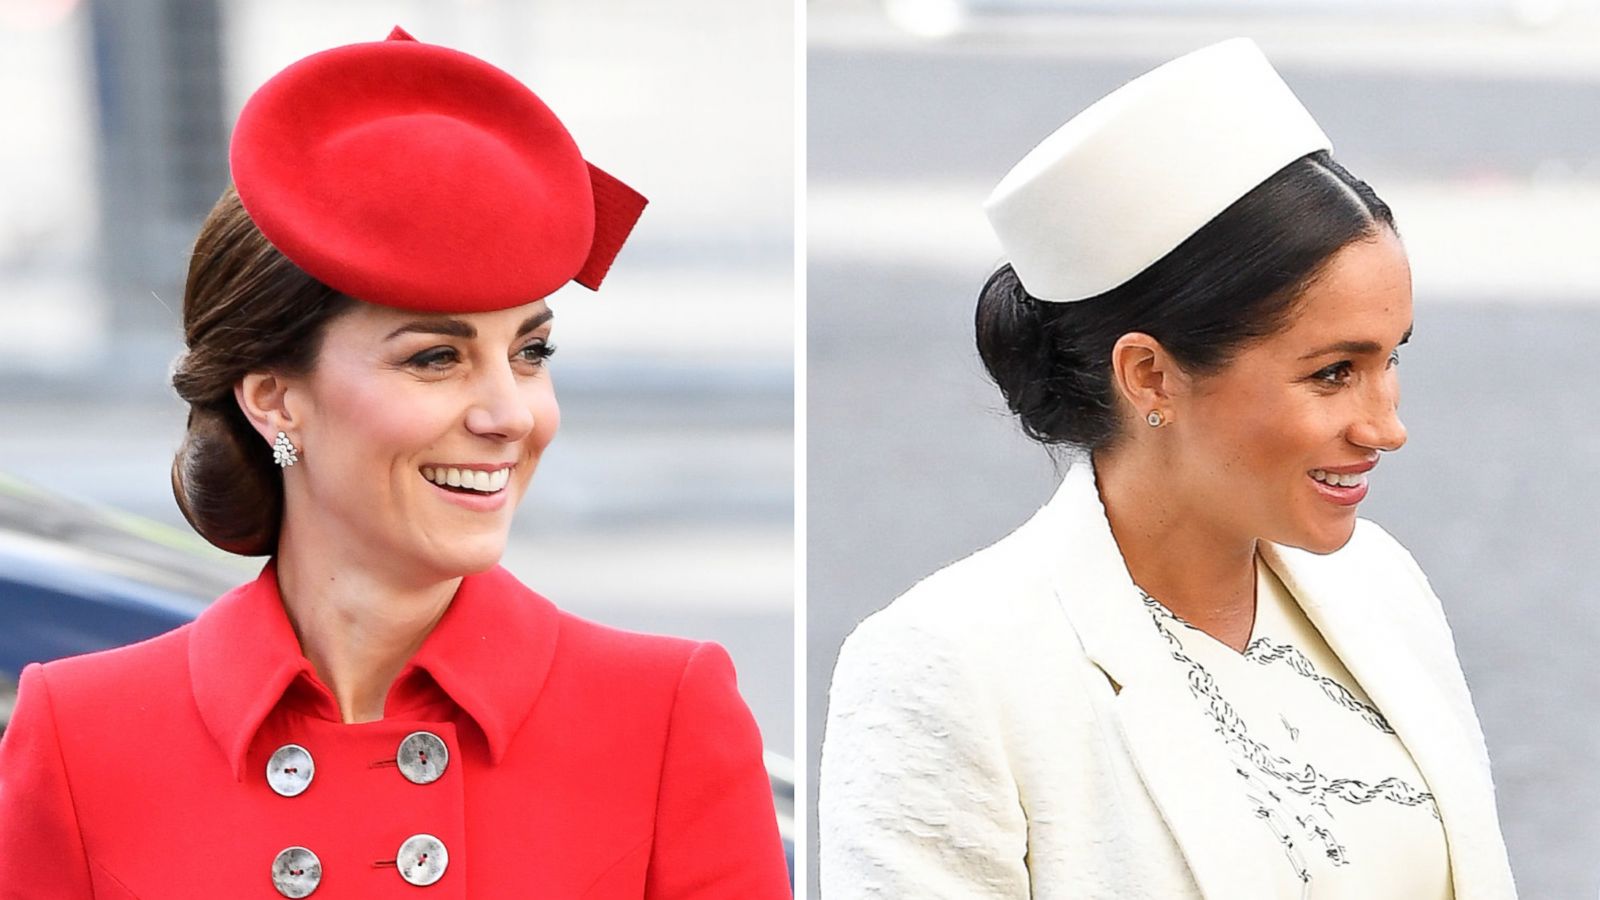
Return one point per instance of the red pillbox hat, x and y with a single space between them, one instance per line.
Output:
412 175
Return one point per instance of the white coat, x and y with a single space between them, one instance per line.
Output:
1010 727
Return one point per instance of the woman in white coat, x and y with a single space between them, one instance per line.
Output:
1195 672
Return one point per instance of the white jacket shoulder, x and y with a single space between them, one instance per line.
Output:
916 796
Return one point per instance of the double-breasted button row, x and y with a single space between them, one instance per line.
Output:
422 759
421 861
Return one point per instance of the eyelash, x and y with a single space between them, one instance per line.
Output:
1339 372
438 357
432 358
540 350
1335 374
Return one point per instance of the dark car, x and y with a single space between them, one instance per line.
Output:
76 578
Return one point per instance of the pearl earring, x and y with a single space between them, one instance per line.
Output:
284 452
1154 419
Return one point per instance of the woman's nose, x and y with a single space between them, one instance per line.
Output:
1380 427
500 410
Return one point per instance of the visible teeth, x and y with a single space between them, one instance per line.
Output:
468 479
1354 479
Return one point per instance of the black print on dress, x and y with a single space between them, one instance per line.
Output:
1271 815
1265 652
1252 757
1294 733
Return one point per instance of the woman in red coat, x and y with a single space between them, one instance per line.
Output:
385 708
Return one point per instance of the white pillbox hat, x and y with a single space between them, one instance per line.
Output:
1131 177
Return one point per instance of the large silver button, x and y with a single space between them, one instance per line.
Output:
296 872
290 770
422 757
423 859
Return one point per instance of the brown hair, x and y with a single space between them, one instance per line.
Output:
246 308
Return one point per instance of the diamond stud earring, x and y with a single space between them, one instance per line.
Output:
1154 419
284 452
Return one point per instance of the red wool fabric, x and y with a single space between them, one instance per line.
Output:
416 176
584 761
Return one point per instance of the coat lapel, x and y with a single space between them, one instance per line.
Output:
1185 769
1376 618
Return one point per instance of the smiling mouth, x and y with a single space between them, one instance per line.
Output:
468 481
1335 479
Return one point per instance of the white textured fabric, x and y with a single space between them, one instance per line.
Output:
1128 179
1009 728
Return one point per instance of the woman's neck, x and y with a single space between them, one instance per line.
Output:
1175 551
358 625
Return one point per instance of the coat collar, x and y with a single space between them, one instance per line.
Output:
1171 742
489 652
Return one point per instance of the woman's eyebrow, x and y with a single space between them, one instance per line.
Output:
1354 348
447 327
464 330
534 321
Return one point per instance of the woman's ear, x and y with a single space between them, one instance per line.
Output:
1146 375
262 397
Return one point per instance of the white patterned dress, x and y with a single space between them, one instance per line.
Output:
1337 795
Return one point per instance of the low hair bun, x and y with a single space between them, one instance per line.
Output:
246 308
226 484
1048 377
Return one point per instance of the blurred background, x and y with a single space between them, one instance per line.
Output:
1477 120
666 502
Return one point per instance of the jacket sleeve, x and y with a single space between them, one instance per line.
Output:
915 796
716 832
39 834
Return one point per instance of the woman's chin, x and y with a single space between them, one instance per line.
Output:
1324 540
467 557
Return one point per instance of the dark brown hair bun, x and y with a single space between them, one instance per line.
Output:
246 308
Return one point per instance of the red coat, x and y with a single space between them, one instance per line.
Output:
583 762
